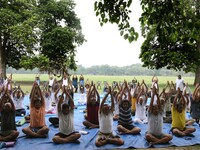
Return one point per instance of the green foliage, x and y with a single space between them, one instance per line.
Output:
171 30
39 34
16 28
171 35
116 11
61 33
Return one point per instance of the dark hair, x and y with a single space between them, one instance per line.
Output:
125 101
64 106
38 100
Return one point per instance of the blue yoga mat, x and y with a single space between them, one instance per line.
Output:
88 141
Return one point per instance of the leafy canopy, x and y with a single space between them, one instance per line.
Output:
171 30
39 33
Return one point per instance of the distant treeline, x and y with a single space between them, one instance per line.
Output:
132 70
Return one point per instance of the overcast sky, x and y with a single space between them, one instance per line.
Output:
104 44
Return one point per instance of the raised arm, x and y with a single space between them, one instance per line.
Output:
126 88
56 93
71 102
14 92
139 94
7 98
60 101
195 91
153 78
32 90
151 103
167 86
176 97
163 94
90 94
23 94
112 100
97 94
11 101
104 99
135 80
41 96
172 85
186 97
143 84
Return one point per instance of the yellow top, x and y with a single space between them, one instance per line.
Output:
178 119
133 107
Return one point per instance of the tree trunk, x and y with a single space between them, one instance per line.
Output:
197 73
2 59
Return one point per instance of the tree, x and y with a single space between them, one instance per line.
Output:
61 33
17 33
42 34
171 30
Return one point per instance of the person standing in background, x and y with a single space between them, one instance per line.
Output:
81 80
75 82
180 83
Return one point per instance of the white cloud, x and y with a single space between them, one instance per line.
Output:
104 44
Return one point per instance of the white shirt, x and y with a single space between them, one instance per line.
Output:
82 98
51 82
48 103
105 122
179 84
65 82
155 123
140 111
18 102
66 122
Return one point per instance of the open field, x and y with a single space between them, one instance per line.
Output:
26 80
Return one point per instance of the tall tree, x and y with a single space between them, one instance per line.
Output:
61 33
17 32
171 30
42 33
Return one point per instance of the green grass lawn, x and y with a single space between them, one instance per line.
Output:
20 78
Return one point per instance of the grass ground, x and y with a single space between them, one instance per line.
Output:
26 80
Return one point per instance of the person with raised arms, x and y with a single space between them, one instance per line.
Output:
65 110
154 134
105 134
37 127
